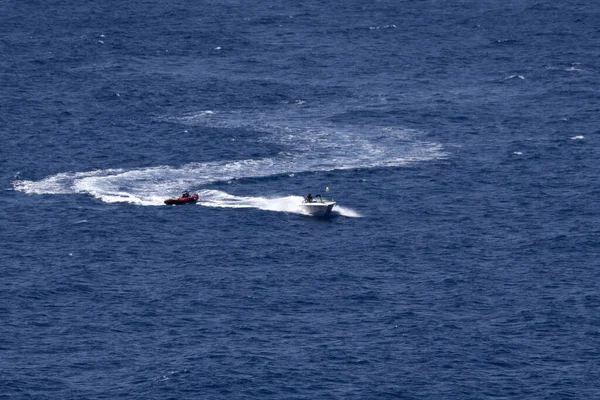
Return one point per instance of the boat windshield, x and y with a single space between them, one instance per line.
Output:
322 199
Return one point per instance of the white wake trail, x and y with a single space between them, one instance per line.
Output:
288 204
317 146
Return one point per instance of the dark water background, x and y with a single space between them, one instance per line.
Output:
460 140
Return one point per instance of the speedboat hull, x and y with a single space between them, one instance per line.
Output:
318 209
182 200
318 206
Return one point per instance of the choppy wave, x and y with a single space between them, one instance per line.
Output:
514 77
307 148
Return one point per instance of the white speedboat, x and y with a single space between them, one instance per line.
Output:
318 206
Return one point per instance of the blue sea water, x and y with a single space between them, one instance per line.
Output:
460 140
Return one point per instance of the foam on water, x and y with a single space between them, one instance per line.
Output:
308 147
289 204
346 212
514 76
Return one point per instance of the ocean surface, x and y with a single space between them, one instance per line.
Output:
460 140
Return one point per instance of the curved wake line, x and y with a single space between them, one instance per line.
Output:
150 186
308 148
146 186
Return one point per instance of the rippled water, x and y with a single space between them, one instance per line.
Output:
459 140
